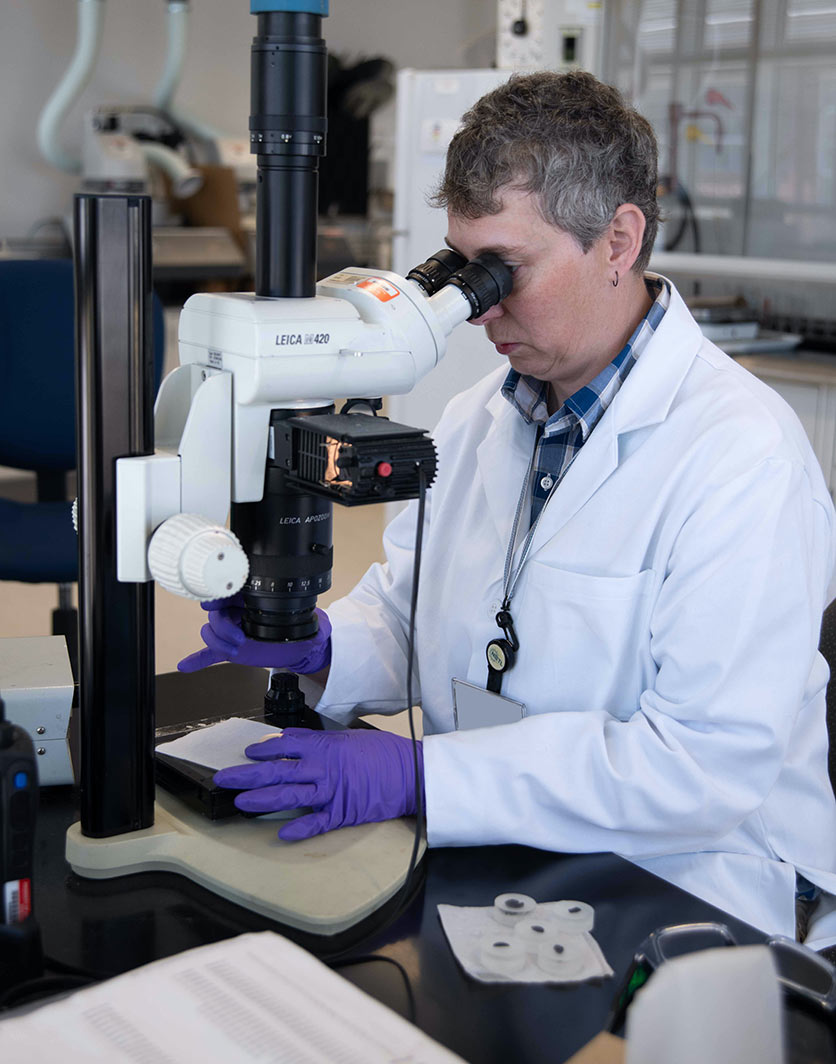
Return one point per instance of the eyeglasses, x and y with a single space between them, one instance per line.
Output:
807 979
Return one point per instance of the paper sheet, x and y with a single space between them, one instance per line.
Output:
220 745
466 927
257 997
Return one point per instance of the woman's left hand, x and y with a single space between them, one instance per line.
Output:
347 777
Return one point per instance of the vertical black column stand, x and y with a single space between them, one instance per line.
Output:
115 387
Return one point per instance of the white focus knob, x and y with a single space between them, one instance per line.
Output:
192 557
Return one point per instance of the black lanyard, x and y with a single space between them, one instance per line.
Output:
501 652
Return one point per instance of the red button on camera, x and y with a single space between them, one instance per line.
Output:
384 469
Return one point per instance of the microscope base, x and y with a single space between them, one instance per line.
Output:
322 886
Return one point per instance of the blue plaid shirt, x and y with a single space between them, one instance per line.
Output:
562 435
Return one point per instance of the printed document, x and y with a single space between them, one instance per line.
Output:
257 997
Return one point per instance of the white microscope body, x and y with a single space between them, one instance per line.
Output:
365 334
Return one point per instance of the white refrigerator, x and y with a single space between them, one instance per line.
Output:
430 104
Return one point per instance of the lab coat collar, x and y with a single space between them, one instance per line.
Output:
643 400
647 394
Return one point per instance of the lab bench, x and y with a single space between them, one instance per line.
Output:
111 926
114 925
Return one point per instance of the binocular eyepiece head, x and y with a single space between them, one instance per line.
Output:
484 281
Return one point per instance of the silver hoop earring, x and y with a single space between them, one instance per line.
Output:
615 282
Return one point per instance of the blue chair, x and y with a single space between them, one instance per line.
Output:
37 425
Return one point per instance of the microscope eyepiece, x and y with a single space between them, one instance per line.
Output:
484 281
437 270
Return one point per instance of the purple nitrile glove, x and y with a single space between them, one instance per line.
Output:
225 641
347 777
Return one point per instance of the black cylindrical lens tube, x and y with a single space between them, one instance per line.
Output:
287 534
288 538
288 124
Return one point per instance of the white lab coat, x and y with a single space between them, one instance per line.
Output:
668 618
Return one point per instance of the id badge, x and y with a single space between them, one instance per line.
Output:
474 707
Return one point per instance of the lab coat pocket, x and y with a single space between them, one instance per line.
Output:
592 639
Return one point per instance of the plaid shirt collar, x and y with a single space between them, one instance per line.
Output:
585 407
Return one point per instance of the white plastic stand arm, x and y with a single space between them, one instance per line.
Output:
189 473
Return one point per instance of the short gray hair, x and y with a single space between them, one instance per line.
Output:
570 140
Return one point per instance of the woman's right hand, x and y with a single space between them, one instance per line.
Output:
225 641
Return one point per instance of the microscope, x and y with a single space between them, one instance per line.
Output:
244 428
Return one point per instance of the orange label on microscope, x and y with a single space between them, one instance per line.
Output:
380 289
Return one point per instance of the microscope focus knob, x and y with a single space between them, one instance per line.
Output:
190 556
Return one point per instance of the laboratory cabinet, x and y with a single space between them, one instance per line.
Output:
807 380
